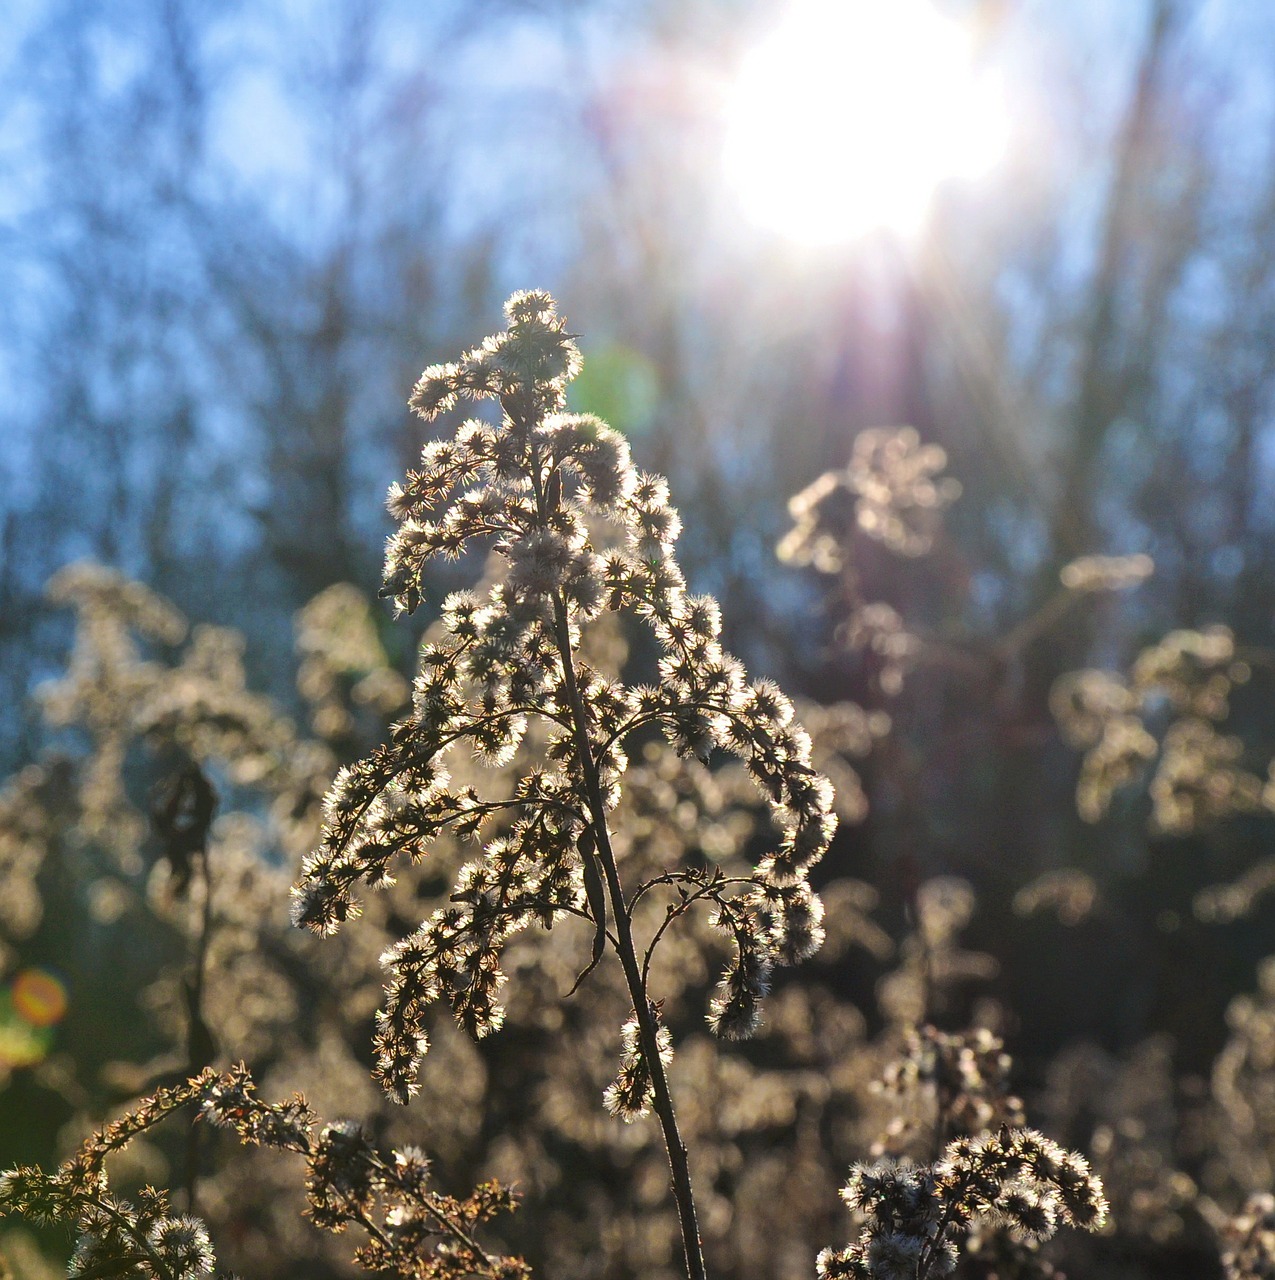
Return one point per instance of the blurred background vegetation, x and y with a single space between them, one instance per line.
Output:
232 236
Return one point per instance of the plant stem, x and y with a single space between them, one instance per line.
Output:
643 1010
197 1029
935 1242
679 1165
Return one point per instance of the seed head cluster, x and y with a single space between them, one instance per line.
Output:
1106 573
413 1232
629 1096
1249 1240
1166 712
139 1237
963 1076
911 1216
582 531
892 491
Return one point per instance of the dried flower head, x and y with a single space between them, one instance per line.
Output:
1248 1240
582 532
1120 722
892 491
412 1231
912 1217
961 1079
140 1237
1106 573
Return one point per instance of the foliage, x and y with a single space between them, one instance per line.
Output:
550 794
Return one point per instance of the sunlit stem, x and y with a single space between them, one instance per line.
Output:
196 1028
648 1030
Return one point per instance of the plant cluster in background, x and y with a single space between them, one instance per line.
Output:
580 857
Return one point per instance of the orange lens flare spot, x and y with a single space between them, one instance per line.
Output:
39 998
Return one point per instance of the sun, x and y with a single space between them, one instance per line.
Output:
849 113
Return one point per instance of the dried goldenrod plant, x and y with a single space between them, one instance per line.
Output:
412 1231
912 1216
541 773
582 532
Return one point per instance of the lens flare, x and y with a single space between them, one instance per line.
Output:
39 997
850 113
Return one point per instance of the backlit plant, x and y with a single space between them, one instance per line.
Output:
583 532
544 801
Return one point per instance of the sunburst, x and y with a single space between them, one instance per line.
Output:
848 115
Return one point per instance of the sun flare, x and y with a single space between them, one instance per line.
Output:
849 113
